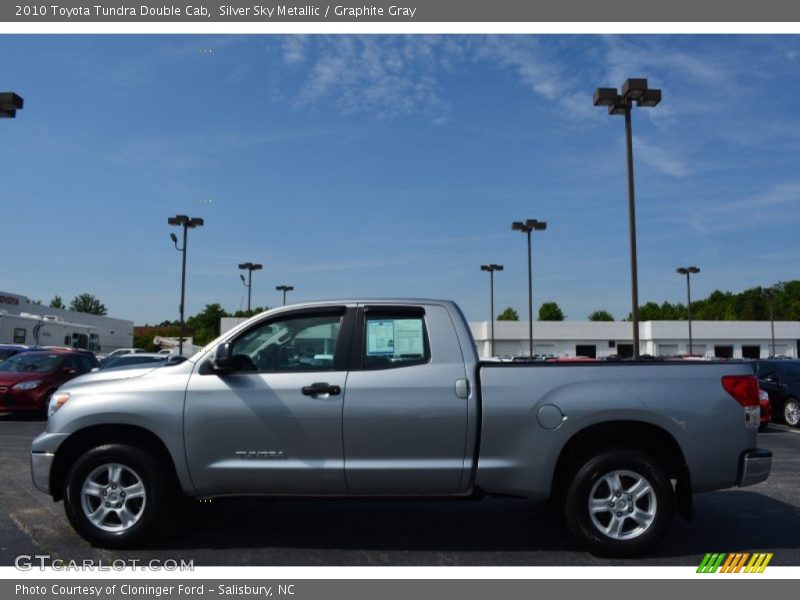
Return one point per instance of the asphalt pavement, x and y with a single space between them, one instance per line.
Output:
492 532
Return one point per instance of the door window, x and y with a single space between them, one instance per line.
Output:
19 335
392 342
292 344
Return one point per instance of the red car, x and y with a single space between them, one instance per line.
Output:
27 380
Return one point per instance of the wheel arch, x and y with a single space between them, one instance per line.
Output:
95 435
637 435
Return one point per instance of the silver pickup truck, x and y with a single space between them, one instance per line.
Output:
389 398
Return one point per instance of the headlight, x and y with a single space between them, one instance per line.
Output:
57 400
26 385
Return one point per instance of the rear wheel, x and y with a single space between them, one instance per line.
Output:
791 412
116 495
619 503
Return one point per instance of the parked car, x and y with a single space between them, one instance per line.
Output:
388 398
126 360
28 379
121 351
780 378
9 350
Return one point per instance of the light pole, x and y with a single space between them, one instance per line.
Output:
770 296
10 103
284 289
526 227
187 223
633 90
688 271
249 267
491 268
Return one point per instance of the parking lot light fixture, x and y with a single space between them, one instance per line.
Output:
284 289
634 91
527 227
10 103
491 268
249 267
187 223
688 271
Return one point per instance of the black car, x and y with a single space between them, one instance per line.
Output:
781 380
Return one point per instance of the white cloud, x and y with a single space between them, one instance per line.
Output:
660 158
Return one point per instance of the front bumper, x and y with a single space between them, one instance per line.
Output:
24 400
43 452
754 466
41 463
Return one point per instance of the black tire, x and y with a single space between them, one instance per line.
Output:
654 510
149 511
791 412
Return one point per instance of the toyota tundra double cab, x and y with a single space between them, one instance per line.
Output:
388 398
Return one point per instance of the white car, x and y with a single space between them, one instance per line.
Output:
120 351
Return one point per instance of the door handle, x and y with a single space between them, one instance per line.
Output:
319 388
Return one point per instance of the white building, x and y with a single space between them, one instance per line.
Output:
106 334
723 339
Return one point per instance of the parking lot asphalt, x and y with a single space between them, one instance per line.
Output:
492 532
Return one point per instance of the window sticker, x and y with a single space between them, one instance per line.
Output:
395 337
408 337
380 338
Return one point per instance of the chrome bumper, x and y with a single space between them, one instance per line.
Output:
41 462
754 466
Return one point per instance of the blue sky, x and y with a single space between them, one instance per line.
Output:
394 166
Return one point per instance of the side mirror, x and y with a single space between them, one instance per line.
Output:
222 361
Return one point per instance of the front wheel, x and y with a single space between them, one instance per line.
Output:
620 503
791 412
115 495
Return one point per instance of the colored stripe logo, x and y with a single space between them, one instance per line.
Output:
737 562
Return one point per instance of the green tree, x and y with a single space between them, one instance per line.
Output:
650 311
550 311
250 313
87 303
205 324
57 302
145 342
508 314
601 315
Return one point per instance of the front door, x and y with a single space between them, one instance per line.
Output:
274 425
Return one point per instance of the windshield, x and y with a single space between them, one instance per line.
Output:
31 362
4 354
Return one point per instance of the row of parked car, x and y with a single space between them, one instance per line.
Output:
29 375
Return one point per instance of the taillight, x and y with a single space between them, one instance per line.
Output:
743 388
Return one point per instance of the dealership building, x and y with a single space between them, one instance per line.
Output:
598 339
22 322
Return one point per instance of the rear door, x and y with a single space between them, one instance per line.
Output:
406 408
273 426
